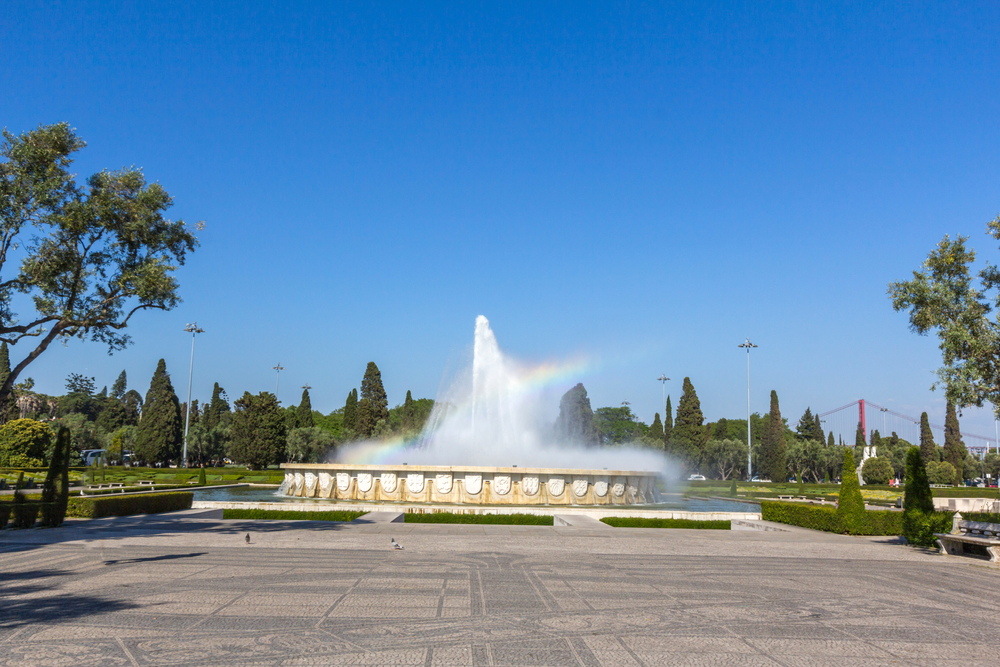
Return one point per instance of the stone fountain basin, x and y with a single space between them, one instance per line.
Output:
473 485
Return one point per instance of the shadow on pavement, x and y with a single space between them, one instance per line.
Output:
22 605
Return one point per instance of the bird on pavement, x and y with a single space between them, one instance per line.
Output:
394 544
248 538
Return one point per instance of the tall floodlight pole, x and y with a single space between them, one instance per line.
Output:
748 345
194 330
663 394
277 374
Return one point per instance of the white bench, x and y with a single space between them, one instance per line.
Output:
979 533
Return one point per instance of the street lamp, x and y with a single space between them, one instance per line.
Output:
277 369
194 330
748 345
663 393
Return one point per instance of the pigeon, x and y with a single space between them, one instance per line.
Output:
395 545
248 538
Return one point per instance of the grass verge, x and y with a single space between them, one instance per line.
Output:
492 519
632 522
290 515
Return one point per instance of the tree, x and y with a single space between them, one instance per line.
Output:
408 411
850 502
875 441
55 494
818 430
941 472
917 493
615 426
365 420
928 448
89 257
309 445
772 451
112 417
24 443
726 457
859 442
721 430
258 430
656 430
8 408
133 406
304 413
668 422
806 428
575 423
217 408
687 434
877 470
954 448
160 430
351 411
374 392
120 386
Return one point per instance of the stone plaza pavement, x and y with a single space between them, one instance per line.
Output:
178 590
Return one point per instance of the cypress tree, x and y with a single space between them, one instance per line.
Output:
372 389
160 431
304 413
120 386
818 430
408 410
928 448
668 422
688 428
772 446
365 419
829 441
850 502
917 491
258 431
351 411
575 422
954 448
732 488
218 406
876 441
656 429
8 409
202 479
859 440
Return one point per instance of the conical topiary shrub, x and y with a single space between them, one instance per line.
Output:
917 492
732 488
851 505
201 477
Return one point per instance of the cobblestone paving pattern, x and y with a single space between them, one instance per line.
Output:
162 592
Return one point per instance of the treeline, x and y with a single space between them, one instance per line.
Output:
255 430
719 449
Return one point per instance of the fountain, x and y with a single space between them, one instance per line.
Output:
487 416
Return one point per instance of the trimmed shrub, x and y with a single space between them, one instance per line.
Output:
24 443
941 472
4 515
291 515
850 500
919 527
201 477
918 489
25 514
877 470
632 522
501 519
89 507
831 520
986 517
732 488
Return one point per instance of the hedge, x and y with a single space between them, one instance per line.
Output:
630 522
125 505
501 519
291 515
828 519
986 517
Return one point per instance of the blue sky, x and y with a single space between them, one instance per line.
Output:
641 184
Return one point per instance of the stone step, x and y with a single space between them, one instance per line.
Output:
744 524
577 521
380 517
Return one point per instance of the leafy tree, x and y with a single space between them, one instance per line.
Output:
928 448
850 501
373 391
304 413
24 443
351 411
575 422
726 458
205 445
112 417
668 422
941 472
258 430
917 494
615 426
120 386
656 430
688 429
83 433
89 257
954 448
160 431
217 408
721 430
772 453
877 470
309 445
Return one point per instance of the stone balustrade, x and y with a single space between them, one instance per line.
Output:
473 485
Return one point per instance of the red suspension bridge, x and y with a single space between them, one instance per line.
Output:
843 422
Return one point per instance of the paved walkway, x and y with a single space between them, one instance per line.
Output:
179 590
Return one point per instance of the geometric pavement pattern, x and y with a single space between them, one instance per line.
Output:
531 597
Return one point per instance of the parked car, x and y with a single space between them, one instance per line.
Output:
696 478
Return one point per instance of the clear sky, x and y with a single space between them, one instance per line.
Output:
642 185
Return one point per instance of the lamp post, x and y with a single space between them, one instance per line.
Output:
663 393
194 330
277 374
748 345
